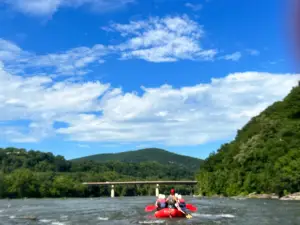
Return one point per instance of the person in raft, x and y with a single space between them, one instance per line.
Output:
171 200
181 203
160 202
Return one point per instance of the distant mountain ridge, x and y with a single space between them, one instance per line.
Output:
148 154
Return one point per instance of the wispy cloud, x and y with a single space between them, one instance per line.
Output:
165 39
233 57
83 146
194 7
10 51
70 62
253 52
274 62
49 7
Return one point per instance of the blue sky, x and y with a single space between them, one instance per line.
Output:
81 77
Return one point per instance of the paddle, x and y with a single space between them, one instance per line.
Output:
191 207
150 208
187 215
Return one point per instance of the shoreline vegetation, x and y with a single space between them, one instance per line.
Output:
289 197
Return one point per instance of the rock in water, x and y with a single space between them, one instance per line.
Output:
30 217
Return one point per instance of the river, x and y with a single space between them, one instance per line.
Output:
130 210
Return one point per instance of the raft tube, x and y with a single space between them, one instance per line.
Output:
163 213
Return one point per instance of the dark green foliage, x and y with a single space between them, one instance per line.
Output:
38 174
2 185
263 158
148 154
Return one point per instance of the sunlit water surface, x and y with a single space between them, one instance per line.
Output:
130 210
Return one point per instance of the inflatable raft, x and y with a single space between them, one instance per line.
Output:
163 213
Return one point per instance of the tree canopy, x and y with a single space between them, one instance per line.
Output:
39 174
263 158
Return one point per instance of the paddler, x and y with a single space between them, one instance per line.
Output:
171 200
160 202
182 204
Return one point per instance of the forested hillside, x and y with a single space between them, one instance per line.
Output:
149 154
38 174
263 158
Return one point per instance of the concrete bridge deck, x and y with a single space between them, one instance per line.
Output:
141 182
157 183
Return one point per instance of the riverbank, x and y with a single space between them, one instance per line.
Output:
289 197
294 196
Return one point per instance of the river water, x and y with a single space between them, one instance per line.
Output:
130 210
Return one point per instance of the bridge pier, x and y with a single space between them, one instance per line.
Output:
157 190
112 192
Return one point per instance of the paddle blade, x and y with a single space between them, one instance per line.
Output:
189 216
191 207
150 208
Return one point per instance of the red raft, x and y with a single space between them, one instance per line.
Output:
163 213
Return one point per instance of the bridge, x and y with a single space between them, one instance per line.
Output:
157 183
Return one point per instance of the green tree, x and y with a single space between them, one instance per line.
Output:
263 158
2 185
22 183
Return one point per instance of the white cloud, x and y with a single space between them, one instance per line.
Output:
194 7
165 39
185 116
253 52
49 7
34 132
41 101
9 51
94 112
234 56
69 62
